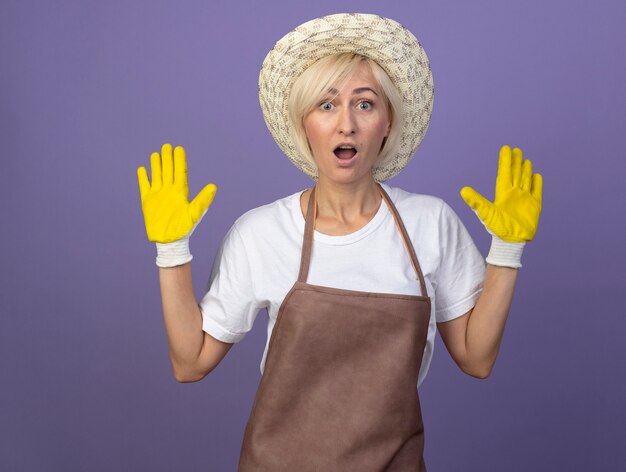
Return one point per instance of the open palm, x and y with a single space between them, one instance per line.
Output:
168 214
513 216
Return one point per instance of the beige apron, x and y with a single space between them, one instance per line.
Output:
339 389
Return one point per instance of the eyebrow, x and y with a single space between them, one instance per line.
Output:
356 91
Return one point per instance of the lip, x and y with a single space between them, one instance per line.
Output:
345 162
345 143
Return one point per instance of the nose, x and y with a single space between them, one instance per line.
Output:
346 121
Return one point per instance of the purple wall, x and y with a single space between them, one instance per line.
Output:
89 89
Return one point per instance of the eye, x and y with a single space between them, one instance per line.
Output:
326 106
365 105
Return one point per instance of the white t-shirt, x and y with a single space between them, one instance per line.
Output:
259 259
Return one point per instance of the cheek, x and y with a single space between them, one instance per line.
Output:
386 125
379 126
315 134
381 130
311 139
384 129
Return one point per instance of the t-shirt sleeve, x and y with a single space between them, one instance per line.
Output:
461 269
229 307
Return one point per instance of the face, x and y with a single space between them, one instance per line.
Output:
347 129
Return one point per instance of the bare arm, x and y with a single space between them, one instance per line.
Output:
170 219
473 340
193 352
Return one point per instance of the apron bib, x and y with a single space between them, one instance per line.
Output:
339 389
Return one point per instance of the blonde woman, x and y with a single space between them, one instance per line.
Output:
356 276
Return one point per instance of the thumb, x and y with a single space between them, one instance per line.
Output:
201 203
476 202
144 183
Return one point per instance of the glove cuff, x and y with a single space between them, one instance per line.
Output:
173 254
505 254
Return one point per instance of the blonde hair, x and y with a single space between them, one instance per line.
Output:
330 72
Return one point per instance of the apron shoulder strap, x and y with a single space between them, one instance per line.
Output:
405 239
307 243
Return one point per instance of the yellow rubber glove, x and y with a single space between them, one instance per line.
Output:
168 215
514 214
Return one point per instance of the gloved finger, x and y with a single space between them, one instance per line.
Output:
527 172
537 188
477 202
167 161
180 167
155 166
201 203
144 183
516 167
504 168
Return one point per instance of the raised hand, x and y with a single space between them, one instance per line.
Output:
168 214
514 214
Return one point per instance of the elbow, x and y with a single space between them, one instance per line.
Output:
480 372
183 378
188 375
480 375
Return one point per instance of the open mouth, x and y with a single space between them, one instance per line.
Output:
344 152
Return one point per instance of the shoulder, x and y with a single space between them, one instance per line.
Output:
280 215
416 204
277 209
265 237
427 217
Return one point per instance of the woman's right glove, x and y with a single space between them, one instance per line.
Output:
513 217
169 216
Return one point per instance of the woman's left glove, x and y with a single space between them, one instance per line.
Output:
513 217
169 216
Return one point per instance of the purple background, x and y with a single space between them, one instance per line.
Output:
89 89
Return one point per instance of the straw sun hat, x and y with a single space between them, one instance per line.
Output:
385 41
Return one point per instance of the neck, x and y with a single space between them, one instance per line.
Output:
347 202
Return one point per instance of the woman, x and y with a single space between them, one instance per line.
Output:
356 276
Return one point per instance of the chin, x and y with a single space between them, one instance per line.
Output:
344 177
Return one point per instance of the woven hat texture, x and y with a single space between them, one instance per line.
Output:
385 41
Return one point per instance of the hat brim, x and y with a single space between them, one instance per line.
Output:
383 40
